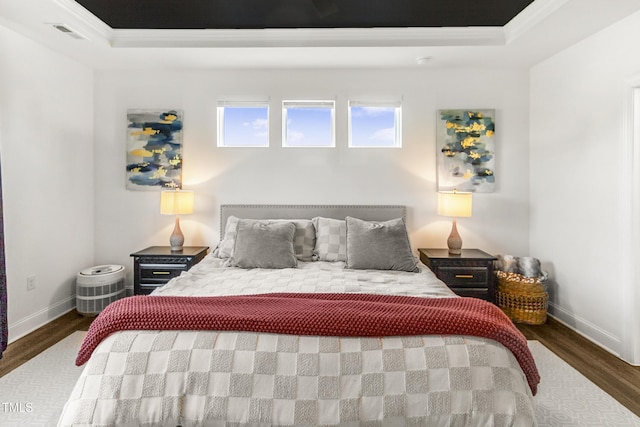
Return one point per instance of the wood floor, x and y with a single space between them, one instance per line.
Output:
28 347
618 378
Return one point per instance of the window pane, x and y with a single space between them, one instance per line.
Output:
374 126
243 126
308 124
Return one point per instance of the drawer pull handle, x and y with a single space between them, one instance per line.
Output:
161 272
464 276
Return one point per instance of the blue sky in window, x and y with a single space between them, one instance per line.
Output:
309 127
373 126
246 126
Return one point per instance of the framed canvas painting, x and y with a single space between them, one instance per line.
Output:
154 149
465 150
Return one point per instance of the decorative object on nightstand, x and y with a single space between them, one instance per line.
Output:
522 289
457 205
176 202
155 266
469 274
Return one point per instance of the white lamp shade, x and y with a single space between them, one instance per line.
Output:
455 204
176 202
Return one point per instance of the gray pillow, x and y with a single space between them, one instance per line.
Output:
376 245
304 239
264 245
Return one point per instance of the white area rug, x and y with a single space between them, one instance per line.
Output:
567 398
34 393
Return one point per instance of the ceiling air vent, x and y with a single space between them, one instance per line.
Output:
68 31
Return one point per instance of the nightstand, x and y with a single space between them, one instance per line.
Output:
469 274
156 265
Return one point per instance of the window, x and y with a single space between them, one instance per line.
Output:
308 123
243 124
374 124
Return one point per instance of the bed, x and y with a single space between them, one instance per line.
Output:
304 315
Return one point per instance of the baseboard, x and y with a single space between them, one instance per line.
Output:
588 330
40 318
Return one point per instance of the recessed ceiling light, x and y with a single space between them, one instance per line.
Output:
424 60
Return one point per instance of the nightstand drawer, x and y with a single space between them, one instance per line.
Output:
464 277
481 293
147 288
160 272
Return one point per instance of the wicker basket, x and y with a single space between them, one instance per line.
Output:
523 299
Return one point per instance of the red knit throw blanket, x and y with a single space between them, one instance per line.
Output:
342 315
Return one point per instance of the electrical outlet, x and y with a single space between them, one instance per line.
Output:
31 283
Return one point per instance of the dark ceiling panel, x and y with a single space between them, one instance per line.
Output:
256 14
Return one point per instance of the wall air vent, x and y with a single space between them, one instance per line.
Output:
68 31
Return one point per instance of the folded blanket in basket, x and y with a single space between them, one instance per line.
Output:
315 314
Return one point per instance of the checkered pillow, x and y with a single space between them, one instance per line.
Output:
331 239
304 238
225 247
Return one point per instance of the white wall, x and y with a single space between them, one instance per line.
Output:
46 147
579 181
127 221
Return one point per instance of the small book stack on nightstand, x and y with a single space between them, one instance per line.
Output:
469 274
155 266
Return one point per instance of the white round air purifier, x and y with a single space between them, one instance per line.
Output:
97 287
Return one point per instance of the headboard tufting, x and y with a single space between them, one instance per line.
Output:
365 212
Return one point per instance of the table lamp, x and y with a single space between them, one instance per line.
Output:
176 202
457 205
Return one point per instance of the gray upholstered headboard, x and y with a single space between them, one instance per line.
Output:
365 212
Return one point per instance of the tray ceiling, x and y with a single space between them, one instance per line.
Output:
261 14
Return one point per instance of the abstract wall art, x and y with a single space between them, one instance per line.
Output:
465 150
154 149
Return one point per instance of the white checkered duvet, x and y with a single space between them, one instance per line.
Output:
198 378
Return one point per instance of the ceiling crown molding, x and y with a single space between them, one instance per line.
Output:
531 16
86 18
311 37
